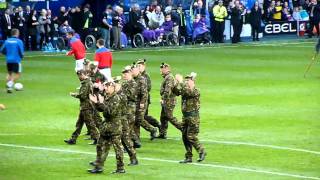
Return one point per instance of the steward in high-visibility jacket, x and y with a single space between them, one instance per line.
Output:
219 13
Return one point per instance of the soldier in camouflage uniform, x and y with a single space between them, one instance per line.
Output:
168 101
141 104
190 105
129 87
142 68
125 137
111 128
86 110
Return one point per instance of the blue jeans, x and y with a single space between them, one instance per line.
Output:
105 34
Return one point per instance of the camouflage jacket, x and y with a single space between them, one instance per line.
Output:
142 90
166 90
111 108
129 88
123 102
190 99
148 79
83 94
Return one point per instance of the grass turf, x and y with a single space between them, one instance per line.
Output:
249 93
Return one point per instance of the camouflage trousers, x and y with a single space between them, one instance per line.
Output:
190 135
103 147
126 140
151 120
140 121
97 120
167 116
131 117
86 117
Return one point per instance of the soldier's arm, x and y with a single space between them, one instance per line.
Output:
148 82
169 84
111 107
144 91
83 92
186 91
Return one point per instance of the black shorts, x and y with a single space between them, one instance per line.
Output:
14 67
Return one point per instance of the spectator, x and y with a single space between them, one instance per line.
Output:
134 26
236 21
182 21
219 13
175 17
304 14
6 24
156 18
64 28
106 26
255 20
199 26
33 24
296 14
86 22
198 8
314 12
117 27
277 15
63 16
27 32
20 22
51 25
286 16
44 28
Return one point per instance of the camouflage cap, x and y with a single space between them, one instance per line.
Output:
134 65
93 65
81 72
164 65
86 61
126 69
109 83
117 79
141 61
191 76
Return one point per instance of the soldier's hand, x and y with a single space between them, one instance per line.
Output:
161 102
141 106
93 98
101 98
72 94
179 78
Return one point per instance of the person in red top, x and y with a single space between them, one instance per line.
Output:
103 57
77 49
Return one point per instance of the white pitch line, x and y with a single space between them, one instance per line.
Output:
184 48
170 161
256 145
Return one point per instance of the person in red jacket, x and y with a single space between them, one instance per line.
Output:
103 57
77 49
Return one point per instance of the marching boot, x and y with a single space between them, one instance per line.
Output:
95 170
70 141
186 160
202 156
118 171
153 134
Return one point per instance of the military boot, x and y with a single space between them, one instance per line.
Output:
153 134
133 161
94 142
93 163
70 141
95 170
202 156
187 160
118 171
162 136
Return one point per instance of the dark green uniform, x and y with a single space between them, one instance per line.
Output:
190 106
142 98
130 90
86 115
125 137
168 98
111 131
148 118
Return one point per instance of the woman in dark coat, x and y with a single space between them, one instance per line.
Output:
33 29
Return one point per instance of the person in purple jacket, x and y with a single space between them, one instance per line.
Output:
199 27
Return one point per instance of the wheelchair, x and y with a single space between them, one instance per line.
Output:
204 38
91 39
168 39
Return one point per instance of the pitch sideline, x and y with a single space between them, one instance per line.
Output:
169 161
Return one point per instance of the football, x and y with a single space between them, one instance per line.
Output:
18 86
2 107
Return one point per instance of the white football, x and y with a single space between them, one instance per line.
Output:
18 86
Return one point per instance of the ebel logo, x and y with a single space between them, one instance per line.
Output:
280 28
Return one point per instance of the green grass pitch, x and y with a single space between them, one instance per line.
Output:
260 119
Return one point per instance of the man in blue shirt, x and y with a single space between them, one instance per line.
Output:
13 50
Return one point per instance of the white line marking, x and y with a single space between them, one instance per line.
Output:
185 48
170 161
256 145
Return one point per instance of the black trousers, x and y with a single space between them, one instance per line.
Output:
237 28
255 31
218 30
314 22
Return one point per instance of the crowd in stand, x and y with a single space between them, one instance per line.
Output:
155 20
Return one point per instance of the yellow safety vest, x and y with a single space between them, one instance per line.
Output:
219 12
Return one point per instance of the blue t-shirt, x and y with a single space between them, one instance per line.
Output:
13 50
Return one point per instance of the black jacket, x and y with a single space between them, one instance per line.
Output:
255 17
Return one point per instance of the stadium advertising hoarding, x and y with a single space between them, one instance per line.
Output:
287 27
